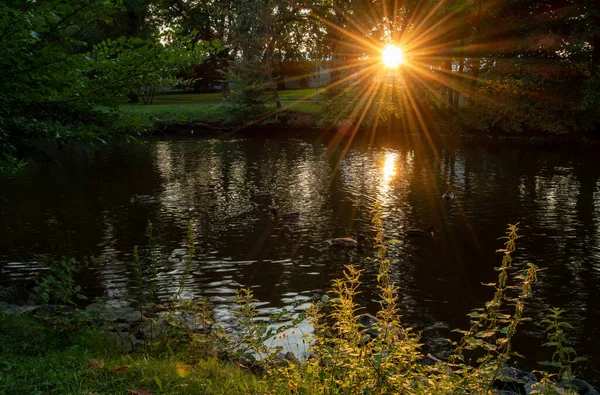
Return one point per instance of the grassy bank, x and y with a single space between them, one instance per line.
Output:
36 358
170 109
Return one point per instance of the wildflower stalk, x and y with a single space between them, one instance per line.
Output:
153 260
189 257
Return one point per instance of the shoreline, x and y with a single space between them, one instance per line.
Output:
297 123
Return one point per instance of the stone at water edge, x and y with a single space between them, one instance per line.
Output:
15 294
292 358
13 309
513 379
582 387
113 313
249 362
368 321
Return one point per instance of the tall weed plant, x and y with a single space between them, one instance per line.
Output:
349 357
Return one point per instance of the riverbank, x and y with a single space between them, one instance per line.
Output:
38 356
207 114
60 349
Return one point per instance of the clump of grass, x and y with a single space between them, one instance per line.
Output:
35 358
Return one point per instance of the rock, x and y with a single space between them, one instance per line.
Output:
367 321
515 380
49 311
431 360
286 359
249 362
15 294
582 387
151 329
246 361
280 360
292 358
105 312
125 340
438 346
13 309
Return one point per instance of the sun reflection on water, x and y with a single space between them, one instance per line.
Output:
388 170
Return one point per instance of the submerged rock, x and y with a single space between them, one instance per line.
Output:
143 199
125 340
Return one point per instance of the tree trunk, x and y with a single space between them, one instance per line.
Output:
461 67
335 38
473 90
272 83
449 90
280 80
595 41
225 90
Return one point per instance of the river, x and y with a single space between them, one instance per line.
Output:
81 204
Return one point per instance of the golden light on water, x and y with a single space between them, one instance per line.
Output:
389 166
388 170
392 56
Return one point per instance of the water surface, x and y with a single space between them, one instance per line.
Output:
81 205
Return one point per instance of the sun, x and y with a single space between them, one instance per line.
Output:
392 56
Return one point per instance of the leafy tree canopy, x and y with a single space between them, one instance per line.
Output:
52 80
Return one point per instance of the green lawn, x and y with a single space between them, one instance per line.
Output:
209 107
178 111
169 97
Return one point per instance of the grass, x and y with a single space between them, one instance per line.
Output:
209 108
183 111
35 358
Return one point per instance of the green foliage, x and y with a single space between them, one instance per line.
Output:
57 285
51 81
346 359
143 66
564 356
521 105
590 103
249 85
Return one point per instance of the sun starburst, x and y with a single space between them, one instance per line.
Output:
392 56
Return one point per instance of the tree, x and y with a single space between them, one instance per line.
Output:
51 81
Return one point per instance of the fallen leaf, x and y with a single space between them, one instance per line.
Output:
95 364
120 368
139 391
